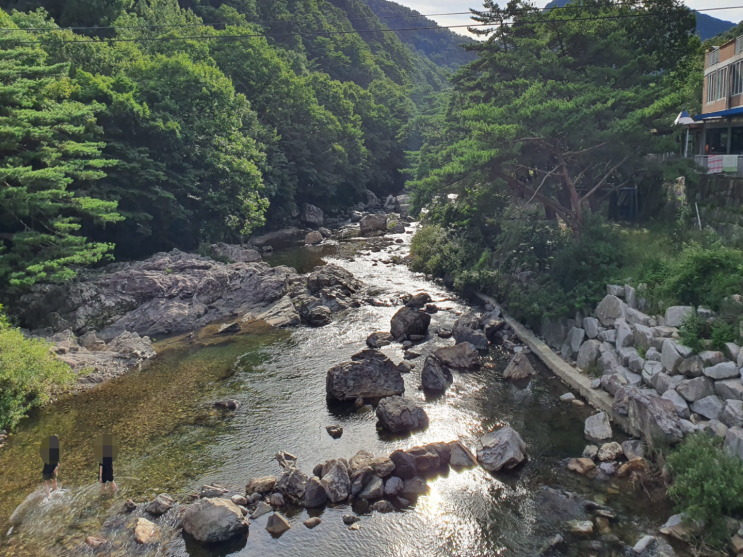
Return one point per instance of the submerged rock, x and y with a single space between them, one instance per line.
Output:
277 524
214 520
160 505
597 428
145 531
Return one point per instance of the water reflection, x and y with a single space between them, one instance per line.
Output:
172 440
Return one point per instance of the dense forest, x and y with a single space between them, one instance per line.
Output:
162 124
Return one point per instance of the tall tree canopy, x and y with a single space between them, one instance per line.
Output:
561 107
50 160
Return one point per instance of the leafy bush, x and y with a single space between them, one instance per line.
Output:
721 333
707 484
693 331
703 273
29 373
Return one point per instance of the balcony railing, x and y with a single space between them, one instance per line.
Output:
713 57
703 161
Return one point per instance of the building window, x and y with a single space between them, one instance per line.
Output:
713 57
717 85
736 78
717 141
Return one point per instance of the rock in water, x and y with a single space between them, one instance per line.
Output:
460 456
261 509
214 520
409 321
315 494
311 215
373 490
335 431
379 339
415 486
96 541
418 301
382 507
393 486
262 485
597 428
146 531
292 484
467 329
435 376
313 237
236 253
312 522
228 404
502 449
336 482
160 505
461 356
519 368
398 413
405 467
369 374
277 524
372 224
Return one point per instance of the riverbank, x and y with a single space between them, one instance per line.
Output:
164 414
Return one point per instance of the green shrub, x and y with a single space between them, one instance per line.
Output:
29 373
702 274
693 331
721 333
707 484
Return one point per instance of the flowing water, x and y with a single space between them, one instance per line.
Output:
172 440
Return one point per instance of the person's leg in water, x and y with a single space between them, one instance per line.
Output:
46 486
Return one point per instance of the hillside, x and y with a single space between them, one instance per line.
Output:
707 26
441 46
228 117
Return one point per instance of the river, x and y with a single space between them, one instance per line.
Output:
172 440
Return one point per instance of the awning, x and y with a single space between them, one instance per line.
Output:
720 113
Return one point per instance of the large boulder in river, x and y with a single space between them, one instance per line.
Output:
315 494
311 215
373 224
261 486
460 356
656 418
399 413
435 376
501 450
336 482
214 520
519 368
333 278
369 374
409 321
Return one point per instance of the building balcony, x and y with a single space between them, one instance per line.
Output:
726 165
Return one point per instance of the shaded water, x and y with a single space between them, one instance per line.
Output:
173 441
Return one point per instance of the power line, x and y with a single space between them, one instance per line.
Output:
354 32
259 22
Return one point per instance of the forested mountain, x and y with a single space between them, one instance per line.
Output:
441 46
706 27
190 122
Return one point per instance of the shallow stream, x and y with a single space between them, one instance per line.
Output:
173 441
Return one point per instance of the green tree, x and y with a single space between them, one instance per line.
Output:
50 164
560 107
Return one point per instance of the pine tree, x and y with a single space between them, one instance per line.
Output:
49 163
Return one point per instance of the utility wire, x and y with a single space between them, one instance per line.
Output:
182 25
354 32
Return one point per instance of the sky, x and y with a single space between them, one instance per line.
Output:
448 6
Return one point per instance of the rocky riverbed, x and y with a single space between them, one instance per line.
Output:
519 497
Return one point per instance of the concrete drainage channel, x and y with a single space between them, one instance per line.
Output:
574 379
